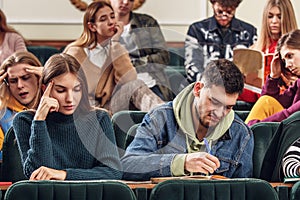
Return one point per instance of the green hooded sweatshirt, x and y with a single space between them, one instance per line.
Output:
182 105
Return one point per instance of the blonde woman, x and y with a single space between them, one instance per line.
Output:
278 18
19 83
112 79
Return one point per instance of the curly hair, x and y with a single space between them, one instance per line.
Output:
225 73
227 3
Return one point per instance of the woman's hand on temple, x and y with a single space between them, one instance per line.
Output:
3 75
47 104
275 67
35 70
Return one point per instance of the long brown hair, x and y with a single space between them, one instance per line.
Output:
3 24
89 38
59 64
6 28
288 22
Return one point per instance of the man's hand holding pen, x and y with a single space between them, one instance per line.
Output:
201 162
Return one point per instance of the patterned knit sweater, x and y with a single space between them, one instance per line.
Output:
83 146
291 160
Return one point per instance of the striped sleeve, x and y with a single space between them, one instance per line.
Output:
291 160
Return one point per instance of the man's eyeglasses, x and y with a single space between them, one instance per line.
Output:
223 13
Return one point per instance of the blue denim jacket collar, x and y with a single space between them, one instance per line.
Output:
151 153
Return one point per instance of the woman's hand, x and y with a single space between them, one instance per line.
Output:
47 104
35 70
119 26
45 173
3 75
275 67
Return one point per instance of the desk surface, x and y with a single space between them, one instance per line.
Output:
5 185
289 185
148 185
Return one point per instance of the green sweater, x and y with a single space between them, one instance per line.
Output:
83 146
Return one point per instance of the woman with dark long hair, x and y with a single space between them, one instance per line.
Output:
65 138
274 106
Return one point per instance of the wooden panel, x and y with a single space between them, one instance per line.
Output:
62 43
54 43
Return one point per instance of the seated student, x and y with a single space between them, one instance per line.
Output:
19 79
146 44
216 37
291 160
112 79
10 40
198 132
274 106
65 138
278 18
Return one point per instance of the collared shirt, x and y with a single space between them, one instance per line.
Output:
98 55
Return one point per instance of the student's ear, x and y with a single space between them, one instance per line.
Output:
44 87
197 88
91 26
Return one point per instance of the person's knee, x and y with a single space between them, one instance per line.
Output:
267 100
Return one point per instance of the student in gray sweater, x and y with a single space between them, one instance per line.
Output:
65 138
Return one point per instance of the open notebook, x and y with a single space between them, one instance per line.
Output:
197 177
251 63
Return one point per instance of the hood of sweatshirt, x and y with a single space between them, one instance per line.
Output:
182 111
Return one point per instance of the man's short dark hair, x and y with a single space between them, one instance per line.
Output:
225 73
227 3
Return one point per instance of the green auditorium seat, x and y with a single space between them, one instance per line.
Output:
130 134
71 190
176 56
243 114
286 134
263 133
43 53
122 121
12 170
231 189
295 191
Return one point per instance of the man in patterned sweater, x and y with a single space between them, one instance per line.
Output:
216 37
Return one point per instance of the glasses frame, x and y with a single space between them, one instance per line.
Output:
223 13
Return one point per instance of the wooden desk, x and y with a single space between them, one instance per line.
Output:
141 185
5 185
289 185
143 188
148 184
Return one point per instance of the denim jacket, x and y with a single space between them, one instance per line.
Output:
205 41
159 139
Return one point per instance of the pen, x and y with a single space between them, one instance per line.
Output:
207 145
